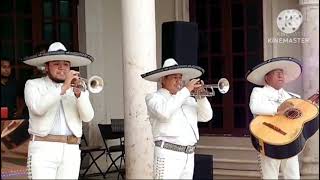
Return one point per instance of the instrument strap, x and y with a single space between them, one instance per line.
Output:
293 95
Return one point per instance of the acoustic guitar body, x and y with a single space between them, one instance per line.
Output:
281 136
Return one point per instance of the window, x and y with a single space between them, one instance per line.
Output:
230 43
26 24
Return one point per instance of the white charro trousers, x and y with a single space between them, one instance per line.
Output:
53 160
170 164
270 167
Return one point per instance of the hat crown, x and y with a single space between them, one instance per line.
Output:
169 62
57 46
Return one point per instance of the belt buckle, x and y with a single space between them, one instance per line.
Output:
69 139
72 140
189 149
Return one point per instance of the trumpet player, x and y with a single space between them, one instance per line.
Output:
174 115
57 110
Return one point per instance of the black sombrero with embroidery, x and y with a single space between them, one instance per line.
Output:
170 66
56 52
291 67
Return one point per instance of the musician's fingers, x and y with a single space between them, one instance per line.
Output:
76 90
201 82
191 84
197 85
75 73
195 81
191 81
287 104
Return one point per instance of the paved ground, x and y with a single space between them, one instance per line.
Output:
13 164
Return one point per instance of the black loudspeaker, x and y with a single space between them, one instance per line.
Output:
203 167
180 41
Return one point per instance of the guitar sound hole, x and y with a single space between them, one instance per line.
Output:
293 113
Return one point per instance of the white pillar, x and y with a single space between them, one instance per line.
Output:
310 57
139 56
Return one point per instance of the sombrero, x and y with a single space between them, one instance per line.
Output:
170 66
291 67
56 52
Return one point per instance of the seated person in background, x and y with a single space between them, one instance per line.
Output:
10 96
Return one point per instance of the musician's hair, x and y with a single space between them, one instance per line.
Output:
161 80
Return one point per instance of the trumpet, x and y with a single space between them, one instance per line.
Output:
208 89
94 84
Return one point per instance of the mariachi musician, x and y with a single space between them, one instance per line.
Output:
273 75
57 109
174 115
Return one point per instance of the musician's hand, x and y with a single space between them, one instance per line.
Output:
71 77
77 91
192 84
199 90
284 107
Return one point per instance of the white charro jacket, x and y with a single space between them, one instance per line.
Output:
174 118
266 100
42 96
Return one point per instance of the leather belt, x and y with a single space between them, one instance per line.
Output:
71 139
175 147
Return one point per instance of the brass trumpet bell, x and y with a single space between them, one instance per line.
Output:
94 84
223 87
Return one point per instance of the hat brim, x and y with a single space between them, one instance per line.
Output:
188 72
75 58
291 67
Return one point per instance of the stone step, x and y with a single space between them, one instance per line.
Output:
240 174
225 141
234 164
310 176
237 148
225 152
235 174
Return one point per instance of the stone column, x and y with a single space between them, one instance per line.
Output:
310 57
139 56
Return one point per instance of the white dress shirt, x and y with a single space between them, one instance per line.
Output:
44 102
174 118
60 126
266 100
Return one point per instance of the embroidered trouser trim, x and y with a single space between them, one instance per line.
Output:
53 160
270 167
170 164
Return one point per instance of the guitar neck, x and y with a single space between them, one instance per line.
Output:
314 98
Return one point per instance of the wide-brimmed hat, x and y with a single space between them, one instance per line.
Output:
56 52
291 67
170 66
